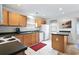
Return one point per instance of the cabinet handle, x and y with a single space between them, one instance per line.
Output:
56 39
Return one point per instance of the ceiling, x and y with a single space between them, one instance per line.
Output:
49 11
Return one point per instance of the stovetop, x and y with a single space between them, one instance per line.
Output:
8 39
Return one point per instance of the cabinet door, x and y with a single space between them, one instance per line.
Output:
38 22
13 18
5 17
0 14
23 20
27 39
55 43
58 42
61 43
37 37
33 39
20 37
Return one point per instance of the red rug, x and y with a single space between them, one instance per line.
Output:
38 46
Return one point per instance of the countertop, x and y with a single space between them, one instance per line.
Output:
11 48
28 32
15 33
64 34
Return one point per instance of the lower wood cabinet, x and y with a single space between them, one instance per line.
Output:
29 39
20 37
37 37
59 42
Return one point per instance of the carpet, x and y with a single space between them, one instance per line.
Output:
38 46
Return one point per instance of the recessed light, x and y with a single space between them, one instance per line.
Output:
60 9
19 4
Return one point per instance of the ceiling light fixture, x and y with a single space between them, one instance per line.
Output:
60 9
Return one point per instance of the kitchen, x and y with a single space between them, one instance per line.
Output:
23 26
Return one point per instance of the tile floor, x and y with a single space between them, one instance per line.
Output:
47 50
72 49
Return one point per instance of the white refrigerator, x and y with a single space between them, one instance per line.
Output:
45 29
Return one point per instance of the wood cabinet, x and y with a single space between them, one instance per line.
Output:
35 38
16 19
11 18
39 21
5 17
59 42
20 37
0 14
29 39
22 21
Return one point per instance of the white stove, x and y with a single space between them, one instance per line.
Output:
8 39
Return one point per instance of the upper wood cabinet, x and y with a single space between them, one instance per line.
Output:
0 14
39 21
5 20
16 19
23 20
4 16
13 18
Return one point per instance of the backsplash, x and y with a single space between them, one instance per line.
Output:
7 29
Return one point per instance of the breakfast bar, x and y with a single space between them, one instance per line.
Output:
59 41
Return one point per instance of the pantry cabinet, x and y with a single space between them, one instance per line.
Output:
31 39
